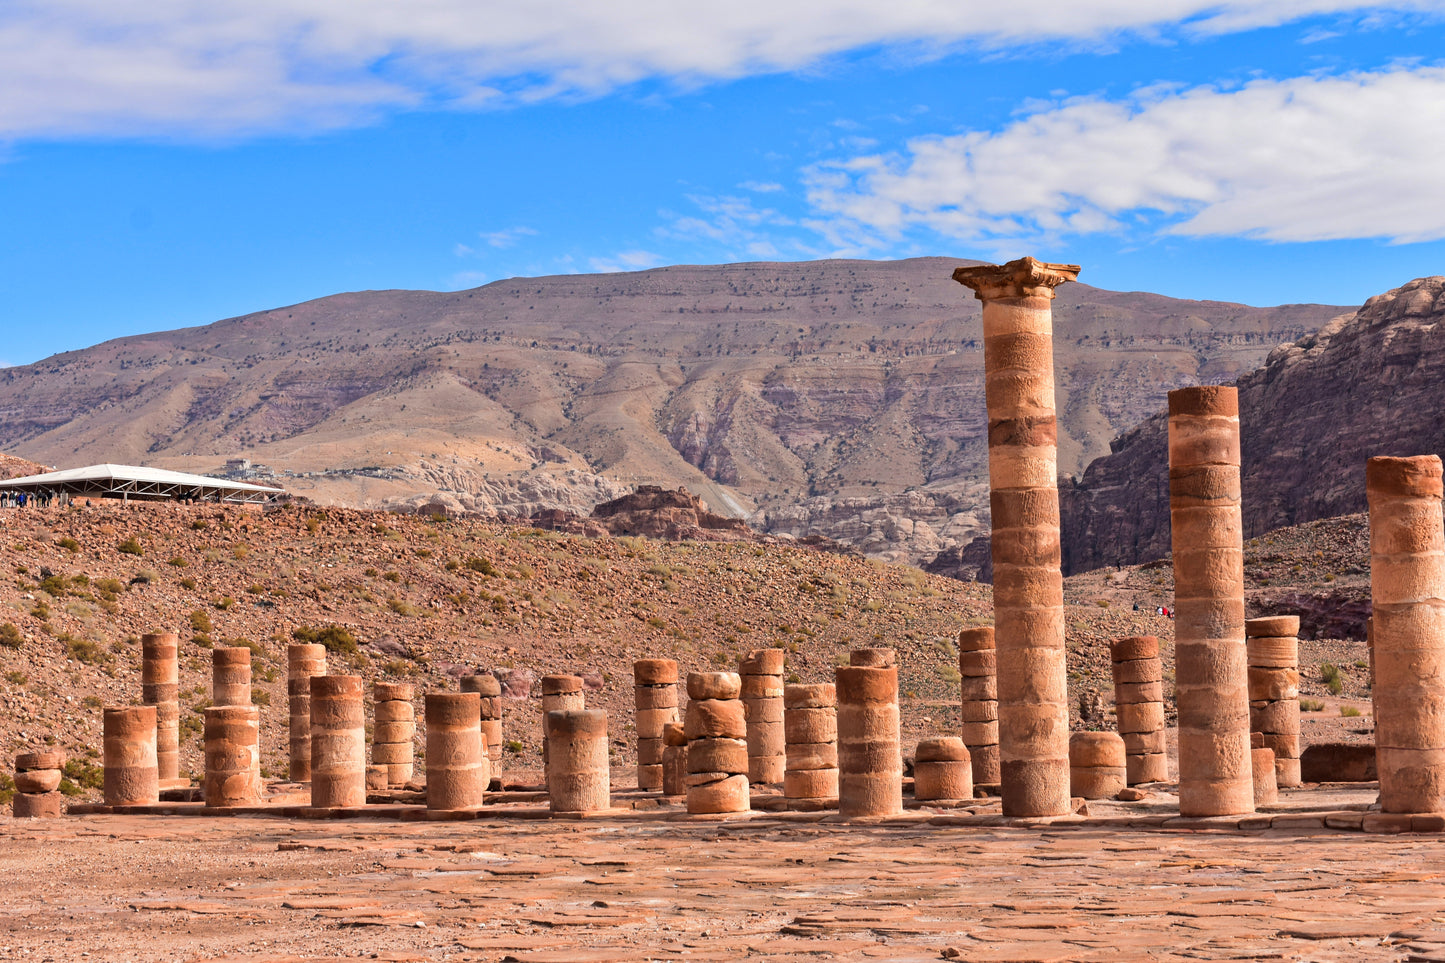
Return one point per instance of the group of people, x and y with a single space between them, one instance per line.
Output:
37 499
1163 610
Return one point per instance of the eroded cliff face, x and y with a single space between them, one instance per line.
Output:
1320 407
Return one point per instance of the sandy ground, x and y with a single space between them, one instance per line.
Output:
659 885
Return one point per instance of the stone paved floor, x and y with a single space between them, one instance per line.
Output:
180 888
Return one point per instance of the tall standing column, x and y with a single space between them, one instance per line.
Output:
1028 586
160 688
1407 586
1211 688
1139 707
560 693
302 662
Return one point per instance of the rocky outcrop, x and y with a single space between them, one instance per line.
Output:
653 512
1363 385
524 495
911 526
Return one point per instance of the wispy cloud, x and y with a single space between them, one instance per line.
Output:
625 261
507 236
225 68
1302 159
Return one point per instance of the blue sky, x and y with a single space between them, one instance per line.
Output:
170 163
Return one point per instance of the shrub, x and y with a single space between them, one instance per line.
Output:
188 583
403 607
53 585
69 544
84 650
482 565
1349 712
130 546
200 525
109 587
16 678
77 776
224 602
178 562
10 636
260 697
1311 705
514 747
201 621
335 637
1332 678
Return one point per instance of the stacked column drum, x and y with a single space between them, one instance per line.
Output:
560 693
1211 688
302 662
1274 691
762 693
578 777
1139 707
393 732
942 770
1262 761
338 742
1407 586
810 728
457 768
37 785
487 686
159 688
978 707
129 756
870 758
674 759
655 697
717 750
1096 765
233 755
231 676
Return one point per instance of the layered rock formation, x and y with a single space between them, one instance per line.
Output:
1363 385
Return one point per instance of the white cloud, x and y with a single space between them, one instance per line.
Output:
234 67
1303 159
732 229
625 261
507 236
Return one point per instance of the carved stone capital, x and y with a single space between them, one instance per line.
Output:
1024 278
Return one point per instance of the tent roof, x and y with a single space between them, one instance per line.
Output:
109 475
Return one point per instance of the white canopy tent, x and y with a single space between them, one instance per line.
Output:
128 481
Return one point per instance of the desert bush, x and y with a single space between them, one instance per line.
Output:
69 544
201 621
1311 705
188 583
84 650
948 673
200 525
481 565
16 678
53 585
260 697
178 562
110 587
79 775
1349 712
10 636
131 546
403 607
1331 676
336 638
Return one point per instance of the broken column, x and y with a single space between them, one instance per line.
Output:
578 779
37 785
1266 789
978 705
560 693
231 676
810 729
1028 593
233 755
762 694
490 690
338 742
1139 707
160 688
393 733
942 770
1273 655
717 749
1407 587
457 767
1211 688
302 662
870 758
655 696
674 759
1096 765
129 756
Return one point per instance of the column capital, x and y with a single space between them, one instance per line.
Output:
1024 278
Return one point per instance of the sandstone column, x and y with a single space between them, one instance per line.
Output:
1273 651
717 749
1139 707
159 688
231 676
1028 594
233 755
1211 687
393 733
487 686
129 757
457 768
1266 789
655 696
942 770
762 692
674 759
810 728
338 742
37 785
978 706
578 779
1096 765
560 693
1407 586
302 662
870 758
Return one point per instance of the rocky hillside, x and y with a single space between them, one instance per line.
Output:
1310 418
12 467
840 398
